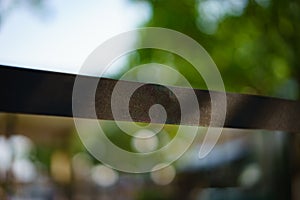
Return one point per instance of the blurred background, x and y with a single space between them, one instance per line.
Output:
254 43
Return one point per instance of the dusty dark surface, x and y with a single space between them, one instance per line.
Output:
50 93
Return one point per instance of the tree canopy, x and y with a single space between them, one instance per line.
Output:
254 43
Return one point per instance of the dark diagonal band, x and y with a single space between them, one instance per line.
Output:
50 93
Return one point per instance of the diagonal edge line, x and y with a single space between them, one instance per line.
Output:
40 92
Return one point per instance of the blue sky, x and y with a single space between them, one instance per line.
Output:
63 39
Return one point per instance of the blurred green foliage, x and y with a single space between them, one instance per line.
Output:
254 43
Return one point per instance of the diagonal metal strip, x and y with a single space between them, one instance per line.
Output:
50 93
